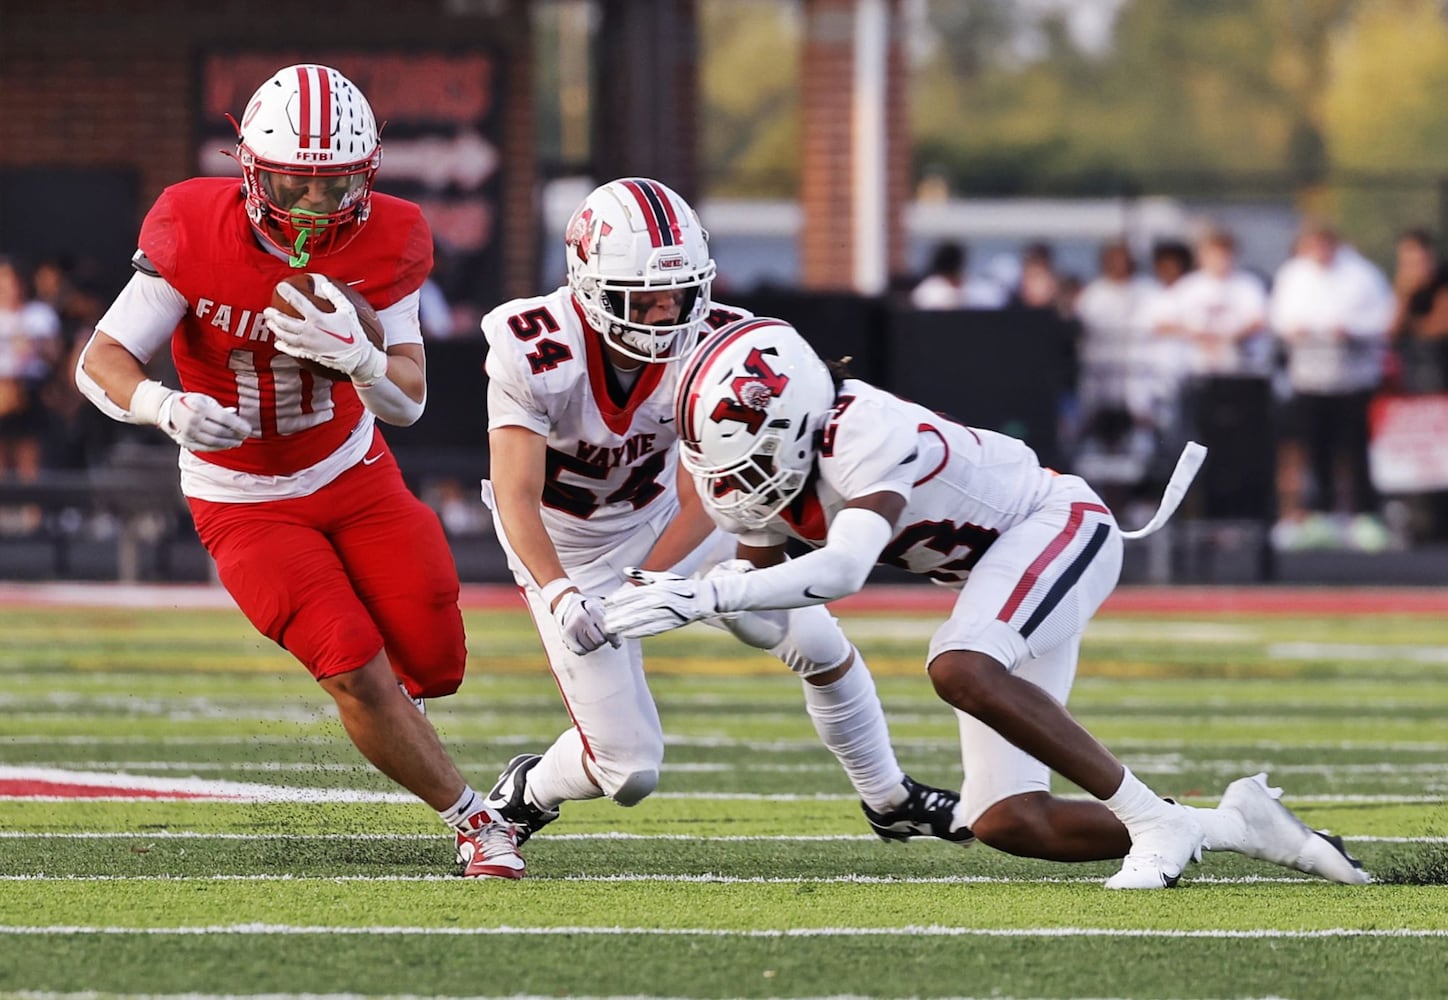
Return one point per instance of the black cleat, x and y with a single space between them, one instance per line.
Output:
507 798
926 812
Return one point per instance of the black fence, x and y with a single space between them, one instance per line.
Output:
1009 370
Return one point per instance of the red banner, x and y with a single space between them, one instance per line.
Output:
1408 448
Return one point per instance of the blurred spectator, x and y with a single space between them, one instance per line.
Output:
1118 368
1419 332
29 348
1218 313
1171 260
78 435
1332 309
1120 384
948 285
1040 285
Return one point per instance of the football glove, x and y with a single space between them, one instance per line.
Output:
657 603
335 339
194 420
580 619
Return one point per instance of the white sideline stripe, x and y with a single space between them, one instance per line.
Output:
684 879
611 835
249 792
927 930
316 796
947 744
1177 765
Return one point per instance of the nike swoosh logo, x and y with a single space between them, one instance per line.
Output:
666 420
374 458
813 596
337 336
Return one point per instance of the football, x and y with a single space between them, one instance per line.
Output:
366 316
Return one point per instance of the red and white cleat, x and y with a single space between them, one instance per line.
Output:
490 848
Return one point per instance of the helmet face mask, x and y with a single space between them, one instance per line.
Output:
632 241
749 404
309 149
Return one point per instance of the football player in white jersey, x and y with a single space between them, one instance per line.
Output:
780 448
585 482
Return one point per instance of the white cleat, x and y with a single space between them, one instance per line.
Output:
1274 833
1160 851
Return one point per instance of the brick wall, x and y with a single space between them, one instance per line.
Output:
827 72
96 83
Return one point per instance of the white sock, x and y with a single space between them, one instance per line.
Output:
1135 804
851 723
458 814
1223 829
559 777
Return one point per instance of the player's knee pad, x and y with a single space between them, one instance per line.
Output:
814 643
636 786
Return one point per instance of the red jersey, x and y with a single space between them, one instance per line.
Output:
199 238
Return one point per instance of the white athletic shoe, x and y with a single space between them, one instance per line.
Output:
1274 833
1160 851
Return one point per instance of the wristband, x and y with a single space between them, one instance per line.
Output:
551 591
146 401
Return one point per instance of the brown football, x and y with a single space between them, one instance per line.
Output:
366 315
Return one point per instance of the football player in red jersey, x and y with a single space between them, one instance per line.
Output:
293 491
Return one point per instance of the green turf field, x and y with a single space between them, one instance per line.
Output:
750 873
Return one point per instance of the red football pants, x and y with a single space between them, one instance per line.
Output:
358 566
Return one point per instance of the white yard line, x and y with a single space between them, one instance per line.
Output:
683 879
610 835
927 930
709 742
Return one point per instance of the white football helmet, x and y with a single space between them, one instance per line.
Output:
630 237
309 148
749 405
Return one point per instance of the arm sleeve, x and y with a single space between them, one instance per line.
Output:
400 321
840 568
144 315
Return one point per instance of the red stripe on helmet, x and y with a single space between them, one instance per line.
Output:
673 219
652 216
304 122
324 107
704 356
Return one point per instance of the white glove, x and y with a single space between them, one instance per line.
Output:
335 339
661 602
580 619
194 420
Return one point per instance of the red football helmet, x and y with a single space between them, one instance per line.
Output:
309 148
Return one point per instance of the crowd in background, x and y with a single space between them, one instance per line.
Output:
1326 332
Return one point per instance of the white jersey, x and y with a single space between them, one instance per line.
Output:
611 461
963 487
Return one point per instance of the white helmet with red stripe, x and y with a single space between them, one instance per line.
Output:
749 406
631 243
309 148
